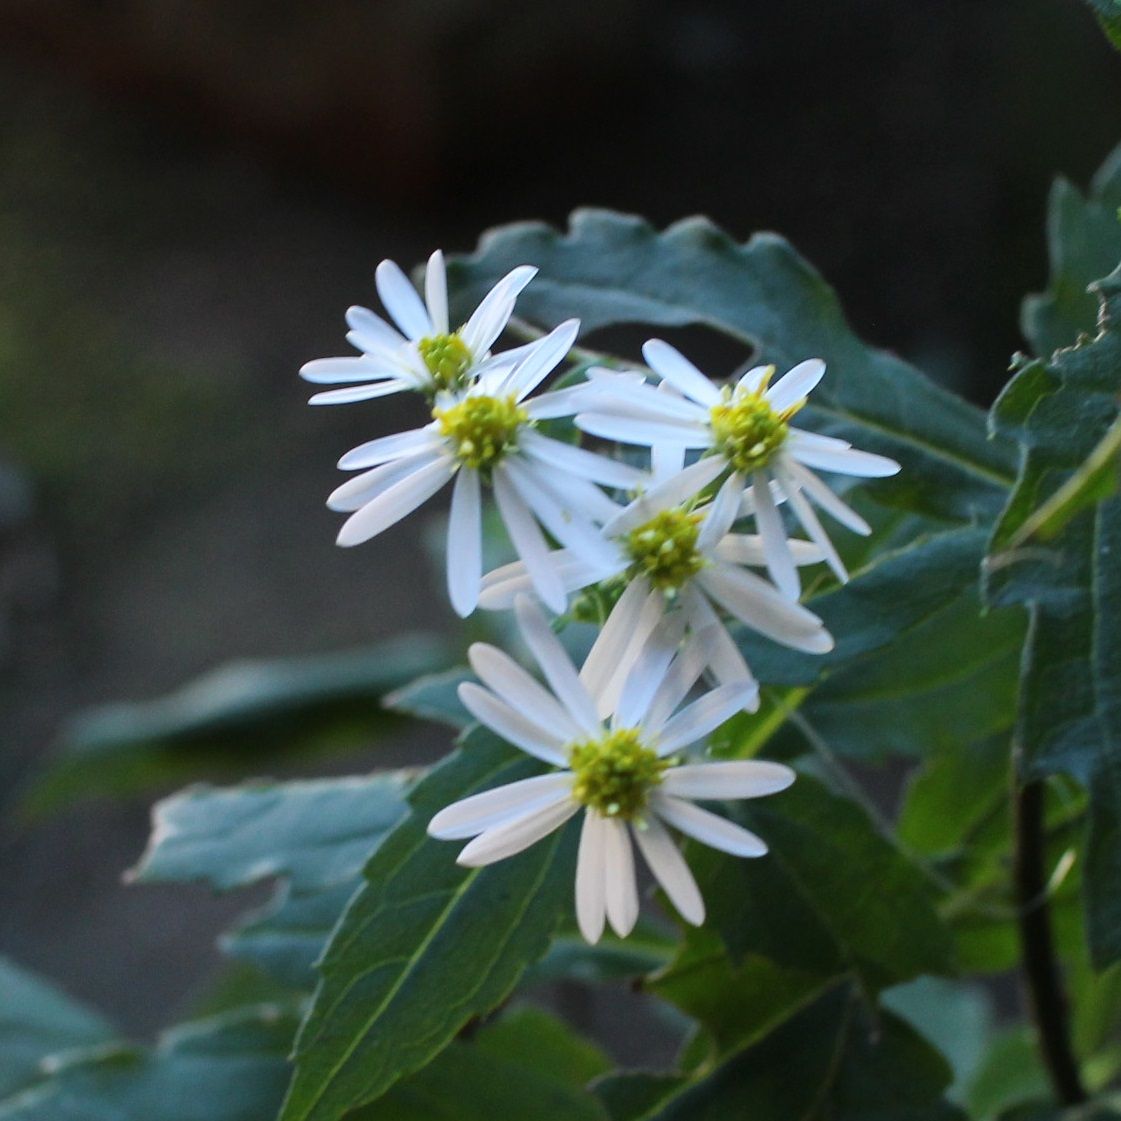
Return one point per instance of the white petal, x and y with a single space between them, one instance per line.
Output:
672 492
401 301
514 836
542 359
620 886
795 385
371 333
682 674
720 516
709 828
577 461
801 438
825 498
754 378
396 502
335 371
639 430
672 365
747 778
847 462
703 716
465 544
722 655
489 319
515 727
503 585
355 393
648 671
780 562
555 665
666 460
529 542
670 870
591 879
436 293
474 815
355 493
804 513
387 448
645 402
559 402
500 673
753 601
747 549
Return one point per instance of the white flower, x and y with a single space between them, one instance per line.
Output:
486 434
675 557
748 428
425 355
618 769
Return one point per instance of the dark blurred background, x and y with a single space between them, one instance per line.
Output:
192 193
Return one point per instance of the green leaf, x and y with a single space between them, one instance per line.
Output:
227 1068
828 1059
433 697
570 958
1070 715
229 721
315 835
833 895
1009 1073
36 1021
1109 16
613 268
425 945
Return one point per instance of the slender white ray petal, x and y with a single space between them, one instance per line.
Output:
795 385
578 461
780 562
354 393
514 836
709 828
669 868
402 301
500 673
666 460
673 492
753 601
672 365
804 513
387 448
801 438
559 402
336 371
474 815
721 514
751 381
553 659
703 716
356 492
744 778
825 498
723 658
559 514
747 507
528 541
682 674
465 543
866 465
648 671
645 402
489 319
436 292
542 359
371 333
591 879
621 889
639 430
396 502
741 548
512 725
503 585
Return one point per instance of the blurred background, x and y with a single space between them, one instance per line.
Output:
191 194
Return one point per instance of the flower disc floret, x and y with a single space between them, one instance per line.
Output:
482 429
614 775
747 431
448 359
664 549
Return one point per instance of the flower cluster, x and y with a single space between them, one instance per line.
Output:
660 548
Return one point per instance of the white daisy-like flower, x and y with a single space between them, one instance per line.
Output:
422 353
675 557
486 435
747 427
619 769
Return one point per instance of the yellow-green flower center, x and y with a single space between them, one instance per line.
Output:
448 359
747 430
664 549
483 429
614 775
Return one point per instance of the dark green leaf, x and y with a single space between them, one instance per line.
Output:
612 268
228 1068
434 697
232 720
1109 16
1009 1073
570 958
425 945
37 1021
